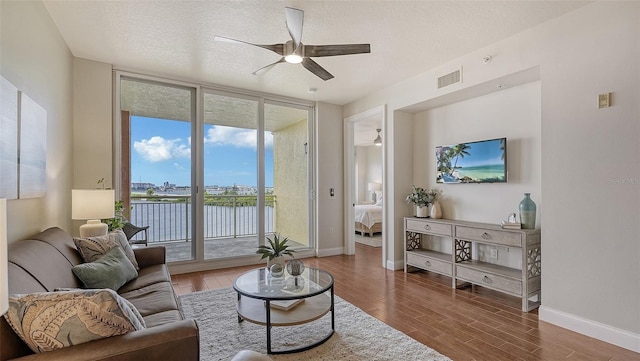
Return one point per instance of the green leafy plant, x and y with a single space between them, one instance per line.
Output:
117 222
275 248
422 197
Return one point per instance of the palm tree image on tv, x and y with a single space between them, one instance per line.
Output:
473 162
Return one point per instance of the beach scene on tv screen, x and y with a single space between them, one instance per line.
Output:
474 162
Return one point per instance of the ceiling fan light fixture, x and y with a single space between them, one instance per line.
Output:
293 59
378 141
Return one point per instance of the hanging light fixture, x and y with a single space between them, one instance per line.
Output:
378 141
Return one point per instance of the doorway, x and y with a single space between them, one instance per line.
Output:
365 173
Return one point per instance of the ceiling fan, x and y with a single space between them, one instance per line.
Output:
294 52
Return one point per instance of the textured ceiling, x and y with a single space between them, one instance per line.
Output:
175 38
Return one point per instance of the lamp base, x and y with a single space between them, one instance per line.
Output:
94 228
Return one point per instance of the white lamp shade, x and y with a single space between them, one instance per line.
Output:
92 203
374 187
4 261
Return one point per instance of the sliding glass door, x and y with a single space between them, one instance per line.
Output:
214 184
156 128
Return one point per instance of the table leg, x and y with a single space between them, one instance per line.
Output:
240 319
333 313
268 326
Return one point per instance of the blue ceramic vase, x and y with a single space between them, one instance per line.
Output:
528 212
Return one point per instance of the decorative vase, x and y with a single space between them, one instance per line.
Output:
528 212
436 211
295 267
422 212
276 270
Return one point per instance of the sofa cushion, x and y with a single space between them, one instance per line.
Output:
146 277
92 248
51 320
162 318
110 271
155 298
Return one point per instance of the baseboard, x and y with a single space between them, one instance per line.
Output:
395 265
600 331
331 252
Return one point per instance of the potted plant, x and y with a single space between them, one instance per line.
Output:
275 250
422 198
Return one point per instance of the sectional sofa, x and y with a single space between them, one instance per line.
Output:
44 262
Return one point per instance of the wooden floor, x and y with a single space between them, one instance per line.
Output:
465 324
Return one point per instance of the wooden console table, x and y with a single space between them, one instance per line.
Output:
460 238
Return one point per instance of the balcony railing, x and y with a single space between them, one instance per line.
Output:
225 216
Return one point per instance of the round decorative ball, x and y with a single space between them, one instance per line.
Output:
295 267
276 270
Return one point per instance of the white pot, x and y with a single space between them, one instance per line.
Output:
422 212
436 211
279 260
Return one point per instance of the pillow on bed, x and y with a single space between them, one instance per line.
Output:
379 198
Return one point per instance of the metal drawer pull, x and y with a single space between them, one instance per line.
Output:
485 235
486 279
427 263
427 227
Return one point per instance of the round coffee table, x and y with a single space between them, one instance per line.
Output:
257 289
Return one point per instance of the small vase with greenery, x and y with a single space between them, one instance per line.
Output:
275 250
422 198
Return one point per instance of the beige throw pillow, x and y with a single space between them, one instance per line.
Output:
51 320
92 248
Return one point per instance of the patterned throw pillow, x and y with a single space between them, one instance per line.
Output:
92 248
51 320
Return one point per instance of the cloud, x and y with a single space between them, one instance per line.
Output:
237 137
157 149
178 166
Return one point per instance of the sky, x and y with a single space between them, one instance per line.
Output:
481 153
161 152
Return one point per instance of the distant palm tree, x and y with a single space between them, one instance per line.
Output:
459 151
503 146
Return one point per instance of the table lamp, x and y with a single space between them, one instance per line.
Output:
92 205
373 188
4 261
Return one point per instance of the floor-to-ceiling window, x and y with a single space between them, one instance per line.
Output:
214 186
156 126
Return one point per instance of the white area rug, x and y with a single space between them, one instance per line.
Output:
358 336
375 241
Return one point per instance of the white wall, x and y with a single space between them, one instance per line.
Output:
92 126
330 174
513 113
369 164
36 60
590 169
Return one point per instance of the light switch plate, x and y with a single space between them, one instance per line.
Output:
604 100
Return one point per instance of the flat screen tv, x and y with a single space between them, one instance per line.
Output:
483 161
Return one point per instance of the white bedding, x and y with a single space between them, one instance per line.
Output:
368 214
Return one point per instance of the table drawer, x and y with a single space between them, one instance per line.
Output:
429 264
427 227
506 238
489 280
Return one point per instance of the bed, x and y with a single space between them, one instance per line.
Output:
368 219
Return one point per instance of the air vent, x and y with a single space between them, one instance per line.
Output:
451 78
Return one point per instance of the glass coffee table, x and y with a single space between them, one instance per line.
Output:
258 289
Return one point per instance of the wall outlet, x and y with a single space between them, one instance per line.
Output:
494 253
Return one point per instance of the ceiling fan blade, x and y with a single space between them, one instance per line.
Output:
316 69
265 69
333 50
295 19
276 48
